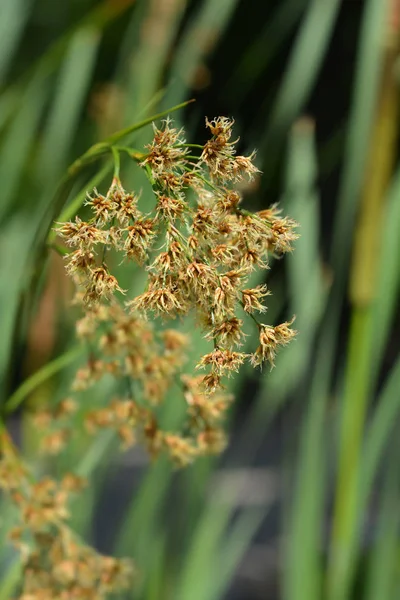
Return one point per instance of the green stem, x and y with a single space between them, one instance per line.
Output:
256 321
190 146
204 180
132 152
132 128
117 162
39 377
98 150
59 249
355 404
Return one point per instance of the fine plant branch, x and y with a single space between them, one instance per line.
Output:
115 137
39 377
73 207
59 249
98 150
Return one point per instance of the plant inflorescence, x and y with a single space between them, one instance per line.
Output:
198 248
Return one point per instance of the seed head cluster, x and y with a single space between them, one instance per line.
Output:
198 248
56 564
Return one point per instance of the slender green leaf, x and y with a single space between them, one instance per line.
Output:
367 77
207 25
383 564
304 65
14 14
73 85
10 580
18 141
234 547
258 55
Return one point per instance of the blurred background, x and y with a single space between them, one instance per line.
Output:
304 504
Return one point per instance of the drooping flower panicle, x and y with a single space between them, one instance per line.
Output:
198 249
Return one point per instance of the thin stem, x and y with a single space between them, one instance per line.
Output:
39 377
256 321
117 162
204 180
132 128
59 249
98 150
199 146
191 157
132 153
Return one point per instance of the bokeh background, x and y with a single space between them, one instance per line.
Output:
304 504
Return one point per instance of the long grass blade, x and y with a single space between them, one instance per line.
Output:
258 55
17 142
304 65
14 15
200 35
73 85
383 563
302 579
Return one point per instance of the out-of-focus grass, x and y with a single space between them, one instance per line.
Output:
159 50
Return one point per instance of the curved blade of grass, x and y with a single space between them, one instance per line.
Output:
302 70
363 280
14 14
206 26
147 62
73 84
201 555
210 550
259 53
302 580
383 564
64 113
99 18
141 526
305 285
10 580
17 141
389 273
233 548
47 371
14 244
380 428
367 77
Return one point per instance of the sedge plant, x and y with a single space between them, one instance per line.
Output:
198 249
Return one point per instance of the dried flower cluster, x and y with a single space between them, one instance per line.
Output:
148 363
198 248
56 564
